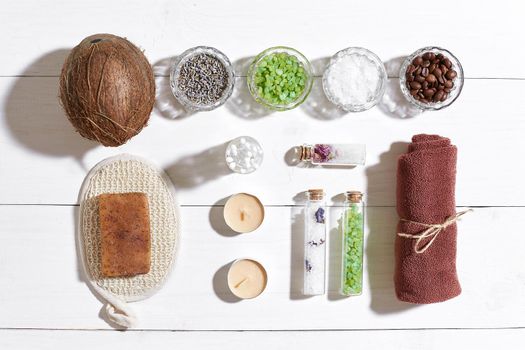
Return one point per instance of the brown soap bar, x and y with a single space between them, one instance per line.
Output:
124 234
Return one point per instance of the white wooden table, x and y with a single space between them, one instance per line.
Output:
44 301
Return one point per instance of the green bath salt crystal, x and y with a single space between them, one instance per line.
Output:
353 235
280 78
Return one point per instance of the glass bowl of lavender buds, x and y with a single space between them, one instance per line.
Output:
202 78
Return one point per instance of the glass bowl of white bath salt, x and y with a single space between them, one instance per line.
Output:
355 79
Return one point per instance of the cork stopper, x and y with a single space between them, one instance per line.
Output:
354 196
315 194
306 153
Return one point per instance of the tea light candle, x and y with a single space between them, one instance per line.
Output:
243 212
247 278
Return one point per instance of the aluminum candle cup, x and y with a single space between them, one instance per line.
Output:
202 78
247 278
243 212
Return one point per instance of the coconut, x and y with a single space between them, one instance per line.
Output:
107 89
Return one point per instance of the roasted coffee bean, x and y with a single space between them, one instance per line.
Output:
439 95
431 78
445 96
447 90
441 87
424 85
428 92
437 72
418 60
447 63
418 71
424 72
425 64
415 85
410 78
441 79
451 74
449 84
410 69
429 56
432 67
414 92
419 78
440 56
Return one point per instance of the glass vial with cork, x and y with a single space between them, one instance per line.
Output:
333 154
353 237
314 243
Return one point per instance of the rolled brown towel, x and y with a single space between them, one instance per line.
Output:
425 269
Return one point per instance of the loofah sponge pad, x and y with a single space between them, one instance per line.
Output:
122 174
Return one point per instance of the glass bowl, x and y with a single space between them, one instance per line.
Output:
244 155
454 92
379 92
176 70
303 61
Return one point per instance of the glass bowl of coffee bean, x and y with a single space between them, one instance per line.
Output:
280 78
431 78
202 78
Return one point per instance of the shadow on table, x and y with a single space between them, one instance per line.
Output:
394 104
165 103
197 169
382 222
317 104
34 115
335 251
241 103
220 285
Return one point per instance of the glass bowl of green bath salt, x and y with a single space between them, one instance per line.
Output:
280 78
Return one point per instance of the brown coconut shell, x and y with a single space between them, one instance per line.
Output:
107 89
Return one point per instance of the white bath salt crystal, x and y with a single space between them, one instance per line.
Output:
354 79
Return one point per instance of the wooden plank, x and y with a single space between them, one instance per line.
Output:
38 35
402 340
43 288
45 161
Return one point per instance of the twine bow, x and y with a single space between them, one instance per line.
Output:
432 231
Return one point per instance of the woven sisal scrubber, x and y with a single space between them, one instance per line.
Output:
126 173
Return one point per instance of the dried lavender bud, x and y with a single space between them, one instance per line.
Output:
319 215
308 266
315 244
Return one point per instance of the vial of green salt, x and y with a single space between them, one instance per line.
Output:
353 237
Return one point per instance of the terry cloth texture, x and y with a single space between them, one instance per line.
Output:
426 180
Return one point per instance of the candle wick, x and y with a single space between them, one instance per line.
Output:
241 282
244 215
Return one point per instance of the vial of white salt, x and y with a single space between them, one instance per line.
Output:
314 243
